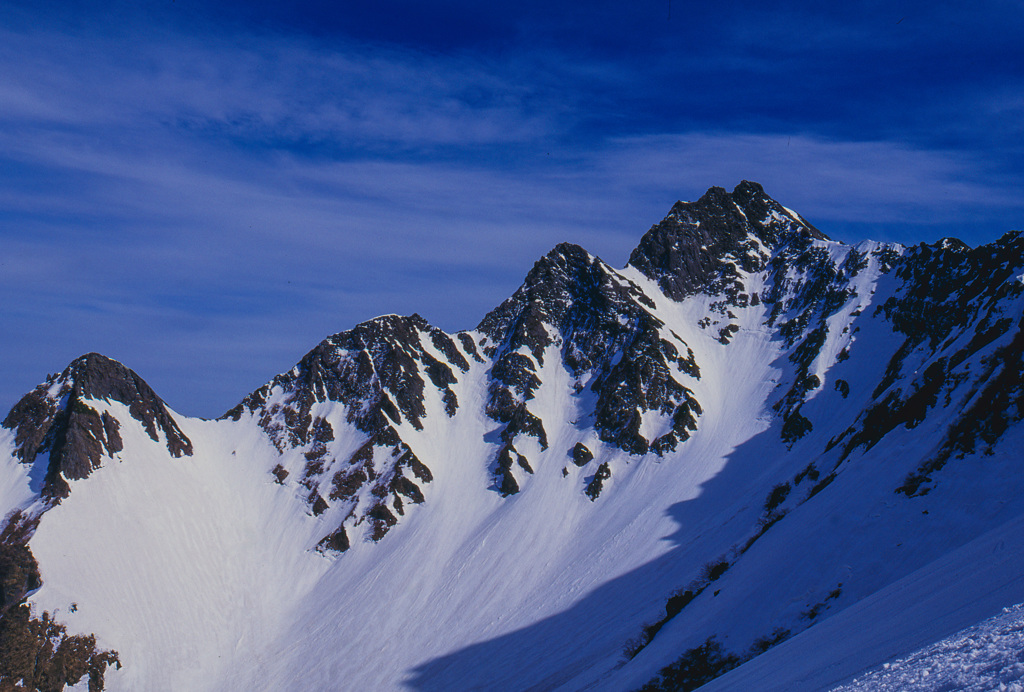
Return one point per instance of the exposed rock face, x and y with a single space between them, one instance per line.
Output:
336 541
19 572
379 372
56 418
954 302
36 653
596 484
607 339
507 458
581 456
699 245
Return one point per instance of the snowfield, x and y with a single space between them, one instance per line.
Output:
944 627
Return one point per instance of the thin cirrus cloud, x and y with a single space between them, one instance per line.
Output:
279 92
904 191
206 208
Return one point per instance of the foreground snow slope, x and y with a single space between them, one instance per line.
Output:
983 657
183 567
753 449
967 588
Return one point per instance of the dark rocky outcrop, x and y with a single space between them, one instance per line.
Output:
58 420
951 308
699 245
336 541
607 338
507 483
381 520
596 484
581 455
805 287
36 653
378 369
507 457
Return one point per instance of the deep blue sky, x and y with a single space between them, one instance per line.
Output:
204 190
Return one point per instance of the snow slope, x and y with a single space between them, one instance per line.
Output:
984 657
183 565
945 626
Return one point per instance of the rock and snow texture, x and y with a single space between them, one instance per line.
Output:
985 657
734 454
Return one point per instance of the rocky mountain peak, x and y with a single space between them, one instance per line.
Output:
608 340
700 246
380 371
567 277
94 376
58 419
377 369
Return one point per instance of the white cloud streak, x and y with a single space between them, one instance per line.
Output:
838 181
205 211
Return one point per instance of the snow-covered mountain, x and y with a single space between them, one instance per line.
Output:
754 457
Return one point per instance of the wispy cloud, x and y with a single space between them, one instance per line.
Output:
278 92
207 208
885 183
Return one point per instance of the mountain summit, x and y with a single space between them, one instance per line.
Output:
56 419
753 453
701 245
